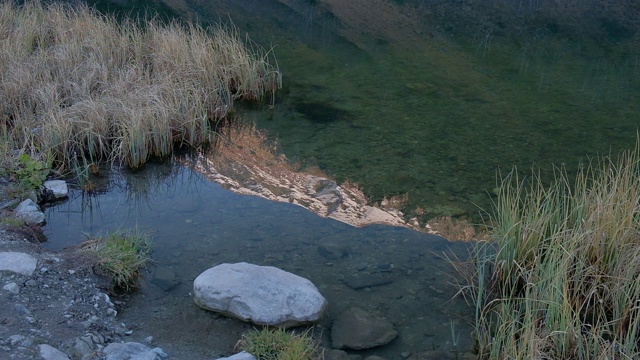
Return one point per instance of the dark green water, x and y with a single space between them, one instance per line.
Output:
437 110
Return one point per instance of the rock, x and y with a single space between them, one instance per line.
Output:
48 352
374 357
368 280
133 351
30 212
84 345
442 355
264 295
18 262
12 288
327 192
54 190
334 354
165 277
240 356
357 329
332 252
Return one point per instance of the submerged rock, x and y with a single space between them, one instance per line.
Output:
133 350
264 295
357 329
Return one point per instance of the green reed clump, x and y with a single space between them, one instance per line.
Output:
279 344
561 277
121 256
78 84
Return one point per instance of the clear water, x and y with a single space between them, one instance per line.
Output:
432 116
437 114
197 224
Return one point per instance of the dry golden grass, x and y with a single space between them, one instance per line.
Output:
457 229
85 88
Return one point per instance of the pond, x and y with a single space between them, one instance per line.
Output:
433 100
196 224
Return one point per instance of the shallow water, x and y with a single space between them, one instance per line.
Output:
197 224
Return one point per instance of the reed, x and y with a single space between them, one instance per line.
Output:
79 84
561 277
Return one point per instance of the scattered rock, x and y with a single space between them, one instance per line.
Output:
361 281
30 212
133 351
374 357
17 262
48 352
240 356
334 354
12 288
332 252
264 295
442 355
357 329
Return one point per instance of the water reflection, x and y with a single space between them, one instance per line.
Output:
196 224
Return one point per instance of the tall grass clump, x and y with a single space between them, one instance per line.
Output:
86 88
560 278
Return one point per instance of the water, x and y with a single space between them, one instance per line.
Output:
432 105
433 100
197 224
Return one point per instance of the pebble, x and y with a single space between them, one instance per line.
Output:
12 288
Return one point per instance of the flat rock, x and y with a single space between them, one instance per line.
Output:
357 329
240 356
368 280
133 351
263 295
56 189
48 352
18 262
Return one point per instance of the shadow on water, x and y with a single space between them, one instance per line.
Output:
197 224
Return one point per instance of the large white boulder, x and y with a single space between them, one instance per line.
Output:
264 295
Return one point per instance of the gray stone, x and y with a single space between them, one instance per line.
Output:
334 354
29 211
240 356
374 357
18 262
442 355
14 339
48 352
165 277
57 188
264 295
357 329
133 351
368 280
332 252
327 192
21 309
84 345
12 288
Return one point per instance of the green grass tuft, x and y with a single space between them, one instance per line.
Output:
121 256
279 344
